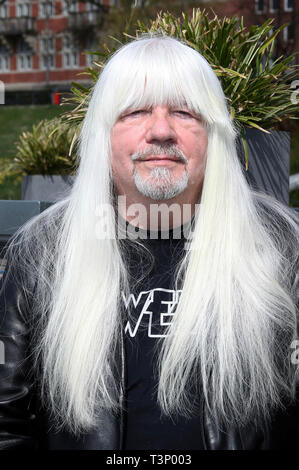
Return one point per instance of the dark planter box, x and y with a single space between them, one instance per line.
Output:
46 187
13 214
268 162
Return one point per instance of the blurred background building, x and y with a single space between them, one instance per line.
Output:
42 45
42 42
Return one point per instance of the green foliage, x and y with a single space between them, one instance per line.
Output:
256 84
43 150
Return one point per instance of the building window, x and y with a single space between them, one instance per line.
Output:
260 6
46 9
289 33
70 59
24 55
90 58
69 6
274 6
4 10
70 53
4 59
24 61
91 8
4 63
47 61
23 9
140 3
288 5
47 52
90 46
67 42
47 44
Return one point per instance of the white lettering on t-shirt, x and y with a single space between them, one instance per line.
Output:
153 307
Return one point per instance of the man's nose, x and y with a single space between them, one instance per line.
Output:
160 129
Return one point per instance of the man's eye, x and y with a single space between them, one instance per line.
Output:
137 112
183 113
132 114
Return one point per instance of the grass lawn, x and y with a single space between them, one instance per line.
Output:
16 119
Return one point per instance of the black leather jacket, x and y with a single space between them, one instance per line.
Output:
23 423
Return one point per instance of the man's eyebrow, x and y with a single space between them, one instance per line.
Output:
196 114
182 105
133 108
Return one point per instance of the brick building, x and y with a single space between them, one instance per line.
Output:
42 44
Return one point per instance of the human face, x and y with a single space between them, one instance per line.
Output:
158 152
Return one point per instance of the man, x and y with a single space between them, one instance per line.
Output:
119 337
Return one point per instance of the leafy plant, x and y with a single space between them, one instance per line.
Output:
256 84
43 150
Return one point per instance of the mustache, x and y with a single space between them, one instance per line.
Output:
160 150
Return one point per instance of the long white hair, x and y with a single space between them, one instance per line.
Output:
236 317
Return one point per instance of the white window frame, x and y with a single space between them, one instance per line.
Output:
64 10
47 50
286 37
26 57
139 3
20 9
4 10
286 8
44 58
42 8
90 58
72 64
259 12
4 57
68 50
49 47
73 7
91 6
91 10
271 7
90 46
67 42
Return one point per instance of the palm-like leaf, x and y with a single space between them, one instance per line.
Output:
256 84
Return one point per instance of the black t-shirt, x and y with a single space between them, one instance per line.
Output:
153 301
